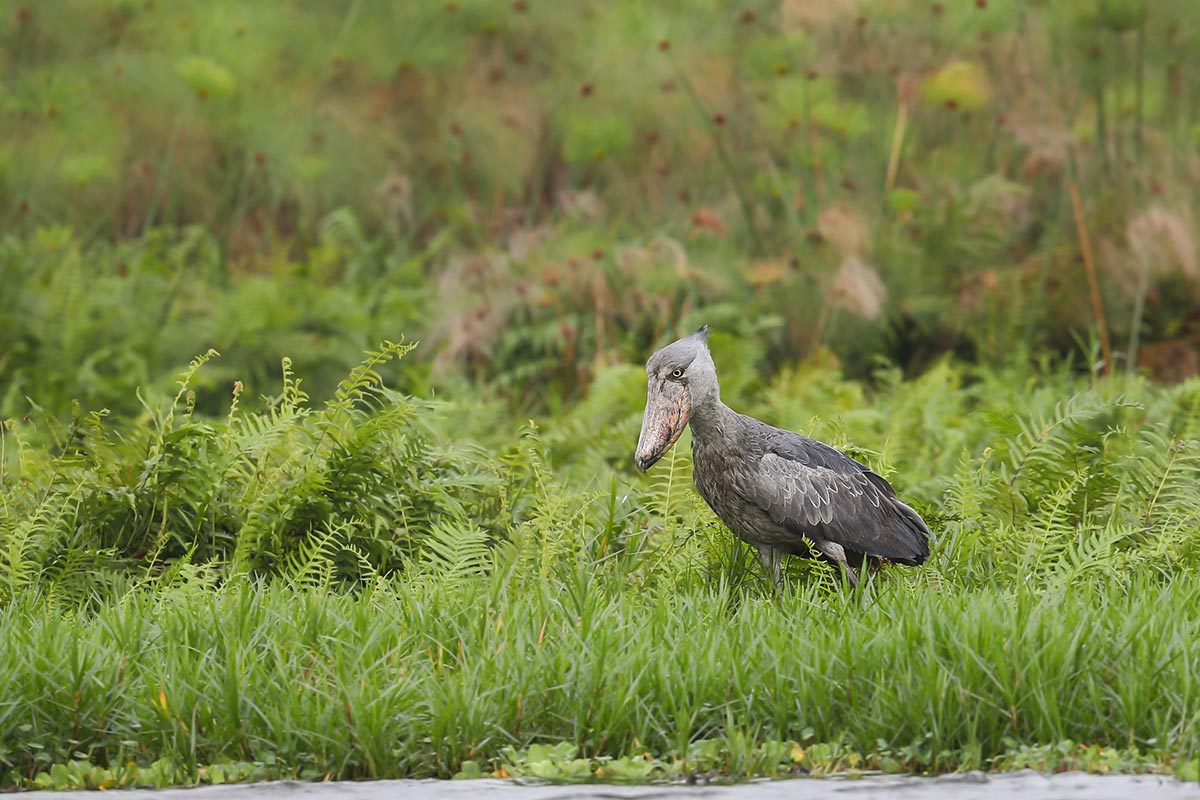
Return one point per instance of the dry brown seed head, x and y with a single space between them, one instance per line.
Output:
858 289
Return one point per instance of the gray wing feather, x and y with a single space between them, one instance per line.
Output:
815 490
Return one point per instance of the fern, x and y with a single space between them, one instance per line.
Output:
184 385
1163 472
311 565
1046 448
377 487
965 514
454 552
1047 535
670 481
365 376
28 536
1093 556
365 459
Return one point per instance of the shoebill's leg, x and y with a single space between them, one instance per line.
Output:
771 560
837 554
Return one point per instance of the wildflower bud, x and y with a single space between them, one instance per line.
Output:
664 45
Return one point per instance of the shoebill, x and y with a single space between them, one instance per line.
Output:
772 487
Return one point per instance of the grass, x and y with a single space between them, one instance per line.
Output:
229 613
414 680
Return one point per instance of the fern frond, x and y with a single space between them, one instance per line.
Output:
1163 472
310 565
1093 554
365 377
1050 530
1048 448
185 381
294 397
454 552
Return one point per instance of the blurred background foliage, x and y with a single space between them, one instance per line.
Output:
535 190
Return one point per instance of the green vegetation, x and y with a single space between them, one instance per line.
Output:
353 590
324 551
531 188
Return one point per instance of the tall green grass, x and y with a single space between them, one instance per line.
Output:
413 678
351 589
